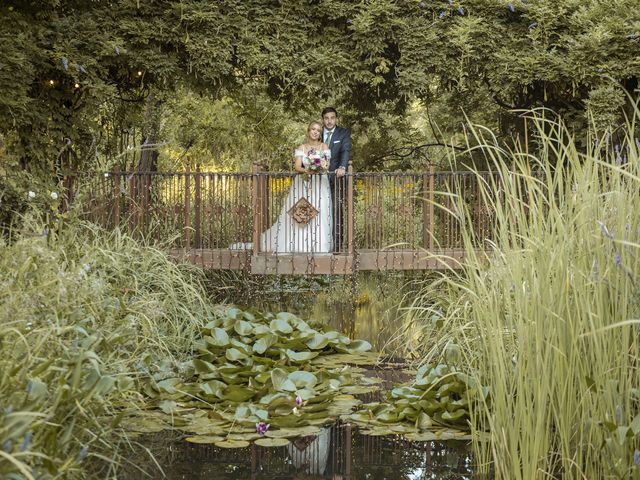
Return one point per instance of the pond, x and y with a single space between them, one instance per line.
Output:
339 452
360 308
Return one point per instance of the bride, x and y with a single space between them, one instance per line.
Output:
305 221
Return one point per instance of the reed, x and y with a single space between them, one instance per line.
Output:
84 315
548 316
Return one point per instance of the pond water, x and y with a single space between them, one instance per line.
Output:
365 306
339 452
360 308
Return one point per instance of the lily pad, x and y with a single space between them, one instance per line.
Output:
228 443
272 442
204 439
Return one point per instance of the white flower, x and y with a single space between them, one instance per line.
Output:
295 410
54 195
32 194
106 175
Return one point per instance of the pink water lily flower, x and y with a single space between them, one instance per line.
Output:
261 428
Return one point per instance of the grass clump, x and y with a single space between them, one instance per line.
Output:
548 315
85 315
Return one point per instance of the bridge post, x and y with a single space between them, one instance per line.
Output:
116 196
259 201
198 208
187 208
350 241
428 221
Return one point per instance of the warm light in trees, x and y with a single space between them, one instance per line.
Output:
139 73
51 82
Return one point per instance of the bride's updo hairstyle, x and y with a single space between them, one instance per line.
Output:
307 137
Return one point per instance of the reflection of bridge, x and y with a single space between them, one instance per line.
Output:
344 454
392 220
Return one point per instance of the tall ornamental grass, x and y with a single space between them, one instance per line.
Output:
548 315
84 315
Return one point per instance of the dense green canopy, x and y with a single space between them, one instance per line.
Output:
88 71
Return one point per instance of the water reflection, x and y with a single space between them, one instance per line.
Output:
338 452
365 306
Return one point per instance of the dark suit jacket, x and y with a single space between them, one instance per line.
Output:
340 148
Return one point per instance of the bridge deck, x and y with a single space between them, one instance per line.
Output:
321 264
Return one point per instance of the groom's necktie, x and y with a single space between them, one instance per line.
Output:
328 137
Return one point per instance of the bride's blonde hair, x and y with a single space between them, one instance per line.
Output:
306 136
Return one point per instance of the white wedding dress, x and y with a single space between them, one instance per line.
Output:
287 235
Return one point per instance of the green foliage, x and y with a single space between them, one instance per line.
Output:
548 318
85 316
440 394
369 58
257 367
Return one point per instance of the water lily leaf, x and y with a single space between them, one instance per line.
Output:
245 436
233 313
359 346
204 439
216 322
272 442
303 379
242 411
454 416
287 316
299 357
280 326
423 421
231 443
249 316
278 377
260 413
219 338
168 385
201 366
317 342
451 387
359 389
262 344
406 392
293 432
305 393
288 421
243 328
233 354
261 329
407 413
262 377
237 393
272 397
387 417
168 406
144 425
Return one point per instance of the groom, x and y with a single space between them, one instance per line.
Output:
338 139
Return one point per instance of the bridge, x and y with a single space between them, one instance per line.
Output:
392 220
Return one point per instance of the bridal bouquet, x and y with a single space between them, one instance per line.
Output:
317 161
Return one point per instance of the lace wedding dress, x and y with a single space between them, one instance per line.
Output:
305 220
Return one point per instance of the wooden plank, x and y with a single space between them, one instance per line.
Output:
301 264
215 259
409 260
321 264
